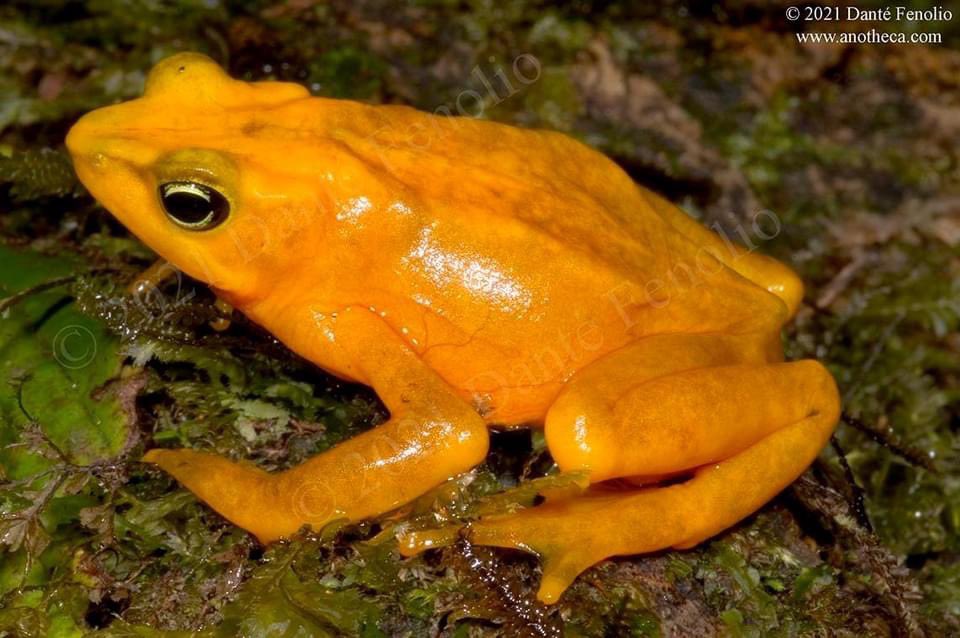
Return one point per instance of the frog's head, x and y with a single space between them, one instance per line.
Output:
182 170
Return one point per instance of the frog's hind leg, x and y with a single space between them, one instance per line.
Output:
745 431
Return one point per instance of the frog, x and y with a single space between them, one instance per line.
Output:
477 276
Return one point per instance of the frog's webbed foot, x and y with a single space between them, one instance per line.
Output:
556 531
744 432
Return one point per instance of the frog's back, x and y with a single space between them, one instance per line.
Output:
548 181
551 191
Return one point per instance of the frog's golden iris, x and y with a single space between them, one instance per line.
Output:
475 275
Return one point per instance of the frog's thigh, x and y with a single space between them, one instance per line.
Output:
618 419
431 436
787 410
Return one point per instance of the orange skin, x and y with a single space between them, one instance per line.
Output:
475 275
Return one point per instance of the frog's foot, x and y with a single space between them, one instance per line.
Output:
148 281
558 532
766 422
224 310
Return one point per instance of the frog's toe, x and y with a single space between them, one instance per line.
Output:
411 543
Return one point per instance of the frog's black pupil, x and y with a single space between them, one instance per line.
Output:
193 205
187 207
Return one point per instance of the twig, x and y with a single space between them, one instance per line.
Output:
859 505
14 299
892 442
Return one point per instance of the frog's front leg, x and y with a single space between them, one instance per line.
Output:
431 435
744 431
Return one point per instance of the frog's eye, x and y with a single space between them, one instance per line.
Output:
194 206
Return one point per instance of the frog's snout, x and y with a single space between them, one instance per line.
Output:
88 139
80 138
111 139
